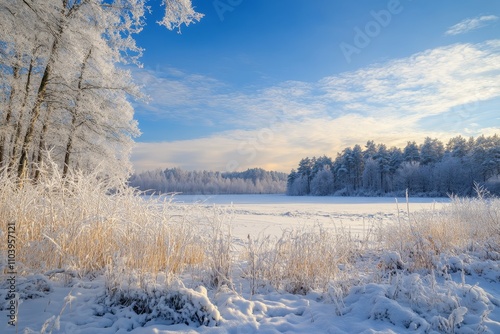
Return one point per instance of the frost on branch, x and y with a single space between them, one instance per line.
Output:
178 12
64 88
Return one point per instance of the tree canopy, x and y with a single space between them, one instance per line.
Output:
64 91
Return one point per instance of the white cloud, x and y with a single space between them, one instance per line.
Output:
425 84
278 147
400 100
470 24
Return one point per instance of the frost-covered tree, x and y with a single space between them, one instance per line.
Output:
408 177
431 151
452 178
299 187
457 147
411 152
306 171
371 178
320 163
395 161
291 178
322 183
370 149
341 170
176 180
62 87
382 157
486 156
426 169
357 164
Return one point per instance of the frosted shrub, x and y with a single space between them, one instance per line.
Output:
482 218
219 249
420 304
467 224
152 300
299 261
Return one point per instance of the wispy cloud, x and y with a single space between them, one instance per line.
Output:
392 102
176 95
425 84
470 24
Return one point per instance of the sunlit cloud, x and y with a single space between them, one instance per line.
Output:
470 24
276 148
436 93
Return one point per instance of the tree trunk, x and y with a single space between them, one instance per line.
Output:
69 147
41 145
35 114
4 135
40 98
69 144
15 139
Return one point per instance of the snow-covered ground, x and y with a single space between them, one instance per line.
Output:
463 297
271 214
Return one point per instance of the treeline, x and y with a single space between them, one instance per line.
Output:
427 169
176 180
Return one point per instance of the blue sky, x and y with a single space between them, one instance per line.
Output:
264 83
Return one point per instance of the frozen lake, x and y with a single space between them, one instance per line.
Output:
271 214
284 199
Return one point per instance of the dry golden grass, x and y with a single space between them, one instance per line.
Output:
466 224
78 224
300 260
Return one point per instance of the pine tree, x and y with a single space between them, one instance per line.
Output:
411 152
431 151
305 170
457 147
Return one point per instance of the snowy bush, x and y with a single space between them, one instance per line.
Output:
149 297
171 305
30 287
421 304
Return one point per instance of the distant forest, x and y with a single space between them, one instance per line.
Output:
176 180
427 169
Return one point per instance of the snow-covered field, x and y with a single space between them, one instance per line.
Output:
271 214
376 293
